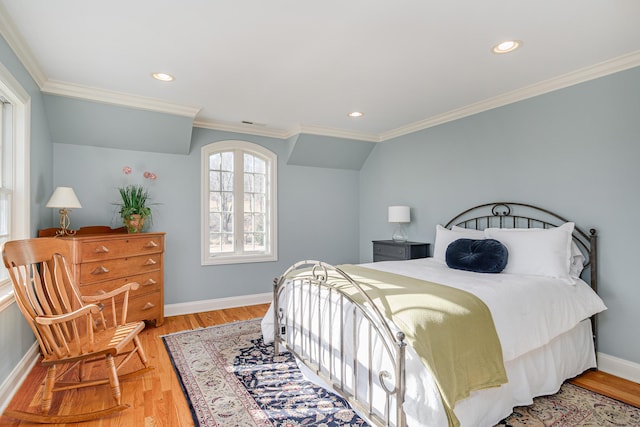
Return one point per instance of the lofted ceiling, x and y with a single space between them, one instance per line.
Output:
295 66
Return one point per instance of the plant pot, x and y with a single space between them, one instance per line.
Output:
134 223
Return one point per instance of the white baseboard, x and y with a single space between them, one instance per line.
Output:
216 304
11 384
619 367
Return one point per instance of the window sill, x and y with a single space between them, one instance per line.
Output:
238 259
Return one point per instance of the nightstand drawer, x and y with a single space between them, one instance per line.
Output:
390 250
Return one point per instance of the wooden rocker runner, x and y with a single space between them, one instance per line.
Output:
72 330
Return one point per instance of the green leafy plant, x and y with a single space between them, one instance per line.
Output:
134 201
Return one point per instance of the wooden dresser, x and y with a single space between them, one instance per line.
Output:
103 262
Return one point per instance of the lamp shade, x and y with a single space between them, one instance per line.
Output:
64 197
399 214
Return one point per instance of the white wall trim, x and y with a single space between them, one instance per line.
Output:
71 90
12 383
216 304
619 367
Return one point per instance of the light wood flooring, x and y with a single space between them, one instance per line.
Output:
156 399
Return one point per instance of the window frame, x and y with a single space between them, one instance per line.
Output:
271 206
18 148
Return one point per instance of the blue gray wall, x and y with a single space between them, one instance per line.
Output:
574 151
314 204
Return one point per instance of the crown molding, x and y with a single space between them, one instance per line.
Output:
15 41
257 130
70 90
285 134
601 69
338 133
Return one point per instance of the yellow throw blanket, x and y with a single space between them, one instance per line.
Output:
451 330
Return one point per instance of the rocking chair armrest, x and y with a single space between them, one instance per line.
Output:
131 286
60 318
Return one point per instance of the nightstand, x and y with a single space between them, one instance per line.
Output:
390 250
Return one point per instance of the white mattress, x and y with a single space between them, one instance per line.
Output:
540 325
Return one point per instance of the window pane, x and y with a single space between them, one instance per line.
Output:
258 222
260 166
227 161
214 181
248 162
248 182
259 203
227 202
227 222
227 242
215 202
227 181
259 184
248 202
214 222
215 161
248 222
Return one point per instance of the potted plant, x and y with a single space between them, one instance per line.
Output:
134 209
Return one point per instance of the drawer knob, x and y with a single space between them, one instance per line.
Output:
148 306
150 261
151 244
101 250
149 282
100 270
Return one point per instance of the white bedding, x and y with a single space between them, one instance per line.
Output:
540 325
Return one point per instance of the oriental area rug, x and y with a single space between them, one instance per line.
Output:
231 378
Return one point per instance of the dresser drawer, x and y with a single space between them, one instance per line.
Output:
145 307
141 307
118 248
149 282
97 271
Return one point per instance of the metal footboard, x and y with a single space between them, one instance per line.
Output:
349 345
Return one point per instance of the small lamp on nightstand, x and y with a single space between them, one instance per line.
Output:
399 215
65 199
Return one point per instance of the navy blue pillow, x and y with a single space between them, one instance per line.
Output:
480 256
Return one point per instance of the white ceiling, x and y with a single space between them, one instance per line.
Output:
301 65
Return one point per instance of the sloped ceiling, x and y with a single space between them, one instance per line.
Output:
285 67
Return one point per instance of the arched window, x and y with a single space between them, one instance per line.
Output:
239 181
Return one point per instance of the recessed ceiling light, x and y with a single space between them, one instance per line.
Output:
506 46
355 114
163 77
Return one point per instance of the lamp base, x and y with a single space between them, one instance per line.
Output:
399 234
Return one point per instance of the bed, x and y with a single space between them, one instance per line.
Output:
502 330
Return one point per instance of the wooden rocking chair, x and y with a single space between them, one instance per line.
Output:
71 329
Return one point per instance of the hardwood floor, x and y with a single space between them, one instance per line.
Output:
156 399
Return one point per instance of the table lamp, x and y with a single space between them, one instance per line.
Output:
65 199
399 215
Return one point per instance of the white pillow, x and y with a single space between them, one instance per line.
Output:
577 261
470 232
536 251
444 237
